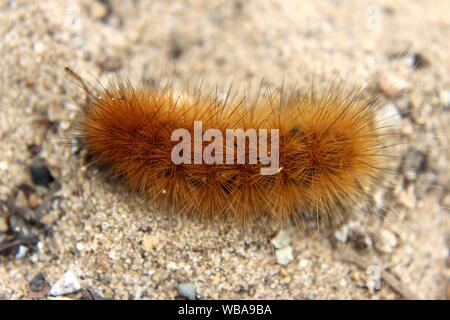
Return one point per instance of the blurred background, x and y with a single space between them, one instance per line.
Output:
60 222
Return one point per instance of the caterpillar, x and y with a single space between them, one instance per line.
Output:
300 156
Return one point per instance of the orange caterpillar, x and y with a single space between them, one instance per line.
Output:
331 151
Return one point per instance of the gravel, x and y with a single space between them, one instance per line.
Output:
386 241
220 44
284 256
281 240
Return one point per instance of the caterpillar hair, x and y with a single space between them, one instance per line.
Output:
332 149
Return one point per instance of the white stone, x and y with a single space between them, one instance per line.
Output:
303 263
386 242
388 116
80 246
187 290
281 240
444 97
39 47
342 234
4 224
21 252
379 198
284 256
3 165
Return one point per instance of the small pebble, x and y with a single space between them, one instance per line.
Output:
39 47
389 116
21 252
33 201
19 226
64 125
38 283
281 240
149 242
41 175
444 98
407 197
79 41
176 50
80 246
341 234
353 233
386 241
68 283
4 224
21 200
416 61
378 198
284 256
34 149
446 201
303 263
102 260
3 166
187 290
361 240
99 10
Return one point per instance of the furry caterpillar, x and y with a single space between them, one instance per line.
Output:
331 150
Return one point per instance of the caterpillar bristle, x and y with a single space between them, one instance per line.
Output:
332 149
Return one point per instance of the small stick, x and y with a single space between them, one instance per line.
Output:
15 243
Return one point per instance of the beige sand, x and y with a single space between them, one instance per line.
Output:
117 247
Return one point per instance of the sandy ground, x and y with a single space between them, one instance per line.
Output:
114 246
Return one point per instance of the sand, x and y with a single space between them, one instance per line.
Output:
116 247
